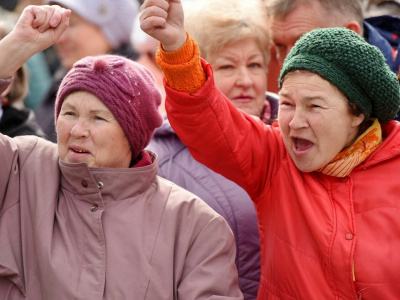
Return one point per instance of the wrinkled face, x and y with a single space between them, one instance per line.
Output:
88 132
287 30
315 120
240 72
79 40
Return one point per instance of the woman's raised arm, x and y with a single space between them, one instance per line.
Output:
38 28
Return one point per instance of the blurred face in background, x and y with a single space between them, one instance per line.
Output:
287 30
240 72
81 39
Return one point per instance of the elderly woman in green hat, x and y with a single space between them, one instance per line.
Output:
323 180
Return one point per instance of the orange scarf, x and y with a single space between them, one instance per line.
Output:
352 156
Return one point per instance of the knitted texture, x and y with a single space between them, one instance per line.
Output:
113 17
355 67
128 90
182 68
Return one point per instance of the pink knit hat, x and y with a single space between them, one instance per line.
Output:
128 90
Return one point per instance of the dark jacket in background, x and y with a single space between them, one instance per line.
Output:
16 122
384 33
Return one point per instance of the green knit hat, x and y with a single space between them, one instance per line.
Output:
355 67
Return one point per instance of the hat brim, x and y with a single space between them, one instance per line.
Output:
331 73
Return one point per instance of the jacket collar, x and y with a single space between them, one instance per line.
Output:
111 183
388 149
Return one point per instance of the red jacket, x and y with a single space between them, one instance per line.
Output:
321 237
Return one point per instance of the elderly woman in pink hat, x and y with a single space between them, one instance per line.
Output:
88 218
96 27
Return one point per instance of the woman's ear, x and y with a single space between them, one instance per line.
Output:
353 25
357 120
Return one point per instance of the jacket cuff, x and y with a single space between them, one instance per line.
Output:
182 68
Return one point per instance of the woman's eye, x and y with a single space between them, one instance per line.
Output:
98 118
226 67
69 113
255 65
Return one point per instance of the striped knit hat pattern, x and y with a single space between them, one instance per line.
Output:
355 67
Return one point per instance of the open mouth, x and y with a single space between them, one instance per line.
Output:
300 145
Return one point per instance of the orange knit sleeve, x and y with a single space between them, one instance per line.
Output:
182 68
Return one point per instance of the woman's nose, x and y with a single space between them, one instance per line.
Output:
243 77
298 120
80 129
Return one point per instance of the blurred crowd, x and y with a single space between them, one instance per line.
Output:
99 26
245 43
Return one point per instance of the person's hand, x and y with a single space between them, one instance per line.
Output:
163 20
39 27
